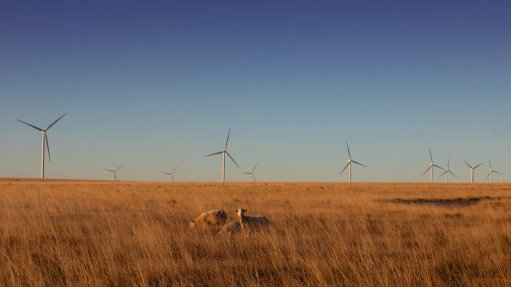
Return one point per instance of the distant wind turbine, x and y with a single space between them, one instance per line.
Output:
223 153
44 141
472 170
171 174
431 166
252 176
350 162
492 171
114 172
447 171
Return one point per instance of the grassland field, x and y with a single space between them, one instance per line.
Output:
100 233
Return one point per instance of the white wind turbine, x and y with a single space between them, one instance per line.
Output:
350 162
223 153
472 170
44 141
114 172
492 171
171 174
431 166
252 176
447 171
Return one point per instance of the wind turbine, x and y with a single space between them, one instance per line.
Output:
472 170
223 153
447 171
350 162
114 172
492 171
44 140
431 166
252 176
171 174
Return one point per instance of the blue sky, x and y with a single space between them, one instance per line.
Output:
157 84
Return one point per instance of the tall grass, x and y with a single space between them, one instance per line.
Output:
64 233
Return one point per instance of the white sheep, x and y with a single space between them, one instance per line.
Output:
231 228
209 218
252 223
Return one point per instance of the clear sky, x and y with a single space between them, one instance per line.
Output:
157 84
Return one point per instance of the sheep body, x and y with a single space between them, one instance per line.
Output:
252 222
213 217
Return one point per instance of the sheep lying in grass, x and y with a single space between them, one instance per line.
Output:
252 223
231 228
210 218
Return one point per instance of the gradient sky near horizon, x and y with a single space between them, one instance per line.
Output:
157 84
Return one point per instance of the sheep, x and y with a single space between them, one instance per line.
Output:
216 217
252 223
231 228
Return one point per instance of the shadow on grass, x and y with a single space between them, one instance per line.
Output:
458 201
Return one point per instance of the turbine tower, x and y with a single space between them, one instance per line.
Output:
114 172
171 174
44 141
472 170
252 176
492 171
431 166
447 171
223 153
350 162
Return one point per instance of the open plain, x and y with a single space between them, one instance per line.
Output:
98 233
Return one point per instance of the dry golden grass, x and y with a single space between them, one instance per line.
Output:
80 233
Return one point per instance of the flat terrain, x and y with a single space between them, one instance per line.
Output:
88 233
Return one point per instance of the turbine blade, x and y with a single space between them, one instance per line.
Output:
174 170
467 164
490 164
246 173
51 125
233 160
255 179
167 173
118 167
109 170
227 141
344 168
254 168
430 167
358 163
489 174
453 174
437 166
443 173
39 129
497 172
348 147
478 165
214 153
47 146
430 156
